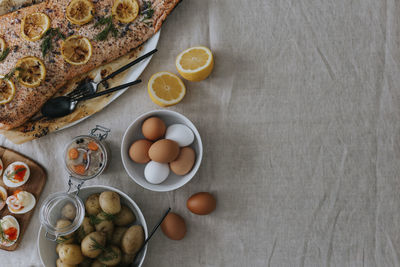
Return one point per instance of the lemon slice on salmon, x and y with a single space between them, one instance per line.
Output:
3 49
76 50
125 10
7 90
166 89
195 63
3 45
34 25
80 12
30 71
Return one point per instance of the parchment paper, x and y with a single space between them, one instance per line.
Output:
300 122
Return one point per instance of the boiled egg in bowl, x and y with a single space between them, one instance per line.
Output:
20 202
16 174
3 197
9 231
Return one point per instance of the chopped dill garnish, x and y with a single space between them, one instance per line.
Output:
147 11
109 28
4 54
97 245
11 73
46 44
95 219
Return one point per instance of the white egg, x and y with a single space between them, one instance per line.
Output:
156 172
9 174
180 133
7 222
3 197
21 203
1 166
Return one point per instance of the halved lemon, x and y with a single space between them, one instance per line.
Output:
166 89
34 25
76 50
30 71
125 10
80 12
3 45
7 90
195 63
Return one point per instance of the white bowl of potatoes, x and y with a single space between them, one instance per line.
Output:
101 240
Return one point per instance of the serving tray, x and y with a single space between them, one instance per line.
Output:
34 185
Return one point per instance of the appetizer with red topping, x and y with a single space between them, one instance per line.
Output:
20 202
16 174
9 230
1 166
3 197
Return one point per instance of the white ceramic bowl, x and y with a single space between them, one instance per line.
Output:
136 171
47 248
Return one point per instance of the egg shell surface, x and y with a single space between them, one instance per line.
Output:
139 151
180 133
174 226
156 172
164 151
184 162
201 203
153 128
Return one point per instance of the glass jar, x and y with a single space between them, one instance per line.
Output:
92 155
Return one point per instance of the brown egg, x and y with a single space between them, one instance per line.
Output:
139 151
174 226
164 151
153 128
184 162
201 203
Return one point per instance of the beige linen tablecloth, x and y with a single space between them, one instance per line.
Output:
300 124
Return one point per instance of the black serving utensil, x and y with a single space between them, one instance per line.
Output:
64 105
90 87
151 234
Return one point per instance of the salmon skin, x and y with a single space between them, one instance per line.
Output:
28 101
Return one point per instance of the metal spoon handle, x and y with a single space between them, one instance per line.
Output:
127 66
120 87
151 234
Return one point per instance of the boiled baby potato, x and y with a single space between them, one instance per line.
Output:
58 247
92 244
68 212
117 235
105 227
92 204
110 202
111 256
132 239
127 259
85 229
71 254
97 263
59 263
66 239
124 217
87 262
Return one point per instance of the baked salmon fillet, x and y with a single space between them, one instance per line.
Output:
28 101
